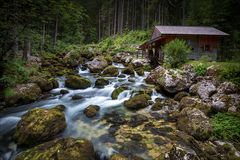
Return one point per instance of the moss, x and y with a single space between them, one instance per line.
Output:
110 71
116 92
77 82
140 71
137 102
101 82
226 126
65 148
128 70
39 125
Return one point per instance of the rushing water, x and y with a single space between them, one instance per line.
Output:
77 124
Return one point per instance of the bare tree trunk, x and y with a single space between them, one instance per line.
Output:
183 11
115 18
127 16
26 49
99 24
122 14
43 37
55 33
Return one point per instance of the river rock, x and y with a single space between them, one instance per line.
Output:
223 102
64 91
23 94
110 71
97 64
154 75
227 88
60 149
116 92
101 82
77 97
128 70
171 81
180 95
179 152
167 105
195 123
39 125
203 89
194 102
122 157
137 102
77 82
91 111
123 57
212 71
140 62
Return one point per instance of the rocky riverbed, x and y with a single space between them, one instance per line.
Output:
117 111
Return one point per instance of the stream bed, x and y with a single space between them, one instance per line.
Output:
78 125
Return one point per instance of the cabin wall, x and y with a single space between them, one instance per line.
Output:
201 45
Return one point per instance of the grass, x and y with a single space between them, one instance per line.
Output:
228 71
226 126
16 72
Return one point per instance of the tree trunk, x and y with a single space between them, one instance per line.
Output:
115 18
43 37
122 14
99 25
26 49
55 33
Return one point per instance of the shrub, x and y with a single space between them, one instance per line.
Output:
230 72
176 53
226 126
200 69
15 71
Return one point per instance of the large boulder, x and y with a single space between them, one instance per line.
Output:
23 94
204 89
116 92
91 111
140 62
77 82
137 102
101 82
195 123
97 64
123 57
44 83
224 103
171 81
60 149
166 105
227 88
110 71
193 102
39 125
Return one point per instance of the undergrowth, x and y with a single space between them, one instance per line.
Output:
226 126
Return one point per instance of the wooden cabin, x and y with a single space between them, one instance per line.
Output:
202 40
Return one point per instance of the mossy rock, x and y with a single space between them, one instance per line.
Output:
140 71
91 111
180 95
23 94
64 148
128 70
39 125
137 102
77 82
195 103
195 123
118 157
157 106
44 83
54 82
110 71
116 92
101 82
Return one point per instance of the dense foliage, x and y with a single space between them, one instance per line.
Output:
226 126
176 53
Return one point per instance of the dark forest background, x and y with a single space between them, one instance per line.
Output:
44 25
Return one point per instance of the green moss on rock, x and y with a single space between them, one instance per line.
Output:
77 82
137 102
110 71
91 111
60 149
39 125
116 92
101 82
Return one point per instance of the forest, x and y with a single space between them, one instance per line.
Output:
99 80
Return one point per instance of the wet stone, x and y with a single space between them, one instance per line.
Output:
132 148
115 118
136 137
159 141
137 120
77 97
